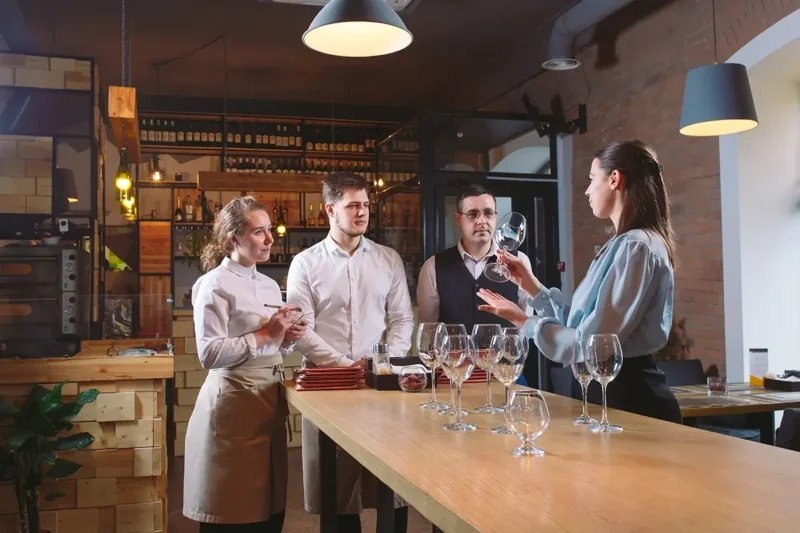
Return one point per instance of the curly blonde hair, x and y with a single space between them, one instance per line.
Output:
230 222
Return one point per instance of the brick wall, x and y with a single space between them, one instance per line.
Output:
121 486
189 377
26 174
641 97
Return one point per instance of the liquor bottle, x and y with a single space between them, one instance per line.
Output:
217 135
198 138
172 133
326 147
284 138
309 143
188 133
290 141
339 146
311 221
298 138
178 210
208 212
180 134
354 140
204 134
151 132
188 209
158 130
237 135
143 131
198 210
229 135
248 136
317 140
321 220
259 137
273 140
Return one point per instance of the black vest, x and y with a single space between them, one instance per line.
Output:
458 299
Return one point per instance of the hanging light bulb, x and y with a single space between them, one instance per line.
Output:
155 169
123 180
280 229
357 28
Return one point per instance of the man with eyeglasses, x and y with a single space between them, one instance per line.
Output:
449 281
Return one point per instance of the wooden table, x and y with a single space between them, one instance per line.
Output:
655 476
742 399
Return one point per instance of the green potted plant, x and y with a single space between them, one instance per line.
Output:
29 441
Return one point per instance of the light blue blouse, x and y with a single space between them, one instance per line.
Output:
628 290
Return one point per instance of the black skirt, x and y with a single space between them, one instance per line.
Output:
639 388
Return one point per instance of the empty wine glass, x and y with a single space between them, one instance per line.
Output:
426 347
510 354
482 337
528 416
509 236
583 377
603 354
441 332
517 331
458 355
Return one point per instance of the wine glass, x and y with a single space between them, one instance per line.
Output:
583 376
604 361
521 333
509 236
482 337
441 332
426 347
528 416
458 354
510 354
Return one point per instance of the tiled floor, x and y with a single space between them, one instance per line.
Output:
297 520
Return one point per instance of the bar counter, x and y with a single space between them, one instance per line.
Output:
655 476
121 487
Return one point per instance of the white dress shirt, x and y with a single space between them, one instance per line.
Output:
352 300
428 293
228 307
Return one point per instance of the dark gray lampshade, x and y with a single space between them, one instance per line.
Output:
64 190
717 101
357 28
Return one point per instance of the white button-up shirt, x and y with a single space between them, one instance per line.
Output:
228 307
428 293
353 301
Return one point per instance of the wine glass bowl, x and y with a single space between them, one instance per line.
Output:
510 354
458 355
528 416
582 375
482 335
603 355
509 235
426 348
442 331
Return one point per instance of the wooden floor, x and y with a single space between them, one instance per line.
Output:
297 520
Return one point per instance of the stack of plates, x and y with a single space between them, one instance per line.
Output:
328 378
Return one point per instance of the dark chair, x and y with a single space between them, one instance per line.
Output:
690 372
562 380
789 433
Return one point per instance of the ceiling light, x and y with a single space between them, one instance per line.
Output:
717 101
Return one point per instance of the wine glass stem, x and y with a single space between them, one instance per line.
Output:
433 384
459 421
604 421
452 394
584 387
488 389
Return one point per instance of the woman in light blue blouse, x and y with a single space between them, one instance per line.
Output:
628 289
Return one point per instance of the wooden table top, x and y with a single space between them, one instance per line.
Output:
655 476
741 399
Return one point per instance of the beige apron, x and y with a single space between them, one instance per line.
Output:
236 466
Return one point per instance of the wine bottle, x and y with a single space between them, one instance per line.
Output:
188 134
311 221
158 130
237 135
298 138
259 137
151 132
217 135
273 140
317 140
198 210
143 131
198 138
204 134
180 134
229 135
173 137
248 137
188 209
290 141
178 210
321 220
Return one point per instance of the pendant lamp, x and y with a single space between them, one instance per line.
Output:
357 28
717 99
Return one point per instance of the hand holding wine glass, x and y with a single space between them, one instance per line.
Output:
509 236
604 361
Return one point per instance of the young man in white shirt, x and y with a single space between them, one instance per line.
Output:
356 293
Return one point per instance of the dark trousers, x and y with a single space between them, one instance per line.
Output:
273 525
639 388
351 523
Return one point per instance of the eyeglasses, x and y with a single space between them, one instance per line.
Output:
473 215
